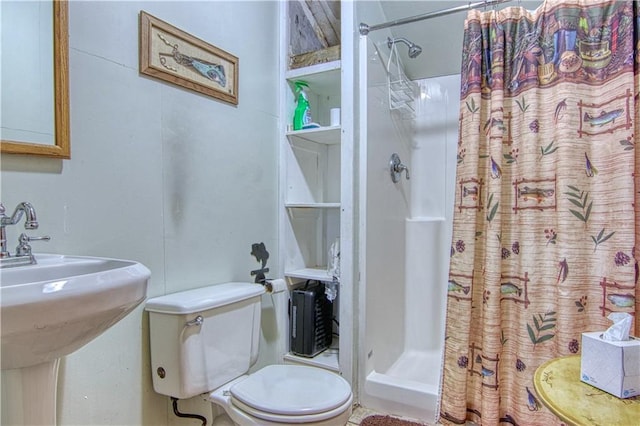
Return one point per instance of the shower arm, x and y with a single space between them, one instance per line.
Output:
365 29
391 41
414 49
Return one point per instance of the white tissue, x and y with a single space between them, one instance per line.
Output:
333 266
620 329
331 290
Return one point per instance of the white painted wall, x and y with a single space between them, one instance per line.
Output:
181 182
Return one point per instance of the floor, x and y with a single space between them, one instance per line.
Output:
358 414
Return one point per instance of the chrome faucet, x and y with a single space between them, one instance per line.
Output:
23 251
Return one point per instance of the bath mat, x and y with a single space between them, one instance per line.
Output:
378 420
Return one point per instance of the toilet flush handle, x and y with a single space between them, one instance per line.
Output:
196 321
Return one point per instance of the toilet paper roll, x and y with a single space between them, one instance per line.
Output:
278 285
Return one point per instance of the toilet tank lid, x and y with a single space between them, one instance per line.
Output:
201 299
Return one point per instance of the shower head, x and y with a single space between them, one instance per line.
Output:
414 49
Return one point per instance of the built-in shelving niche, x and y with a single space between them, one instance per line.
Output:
312 191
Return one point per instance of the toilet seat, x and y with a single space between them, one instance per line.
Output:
291 419
292 394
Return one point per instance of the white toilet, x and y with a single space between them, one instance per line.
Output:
204 341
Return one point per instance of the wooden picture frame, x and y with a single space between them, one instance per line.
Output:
172 55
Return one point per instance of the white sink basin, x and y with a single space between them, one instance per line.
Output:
57 306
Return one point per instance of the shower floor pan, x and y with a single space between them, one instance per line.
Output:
409 387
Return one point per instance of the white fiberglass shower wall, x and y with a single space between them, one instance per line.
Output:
405 233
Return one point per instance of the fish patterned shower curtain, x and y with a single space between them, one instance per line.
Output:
547 202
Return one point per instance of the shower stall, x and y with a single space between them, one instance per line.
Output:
405 227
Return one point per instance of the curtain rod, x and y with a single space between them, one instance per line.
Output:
366 29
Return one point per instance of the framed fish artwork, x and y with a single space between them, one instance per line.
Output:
172 55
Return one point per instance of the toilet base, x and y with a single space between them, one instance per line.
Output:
222 398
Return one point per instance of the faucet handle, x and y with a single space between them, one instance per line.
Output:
23 248
2 209
396 167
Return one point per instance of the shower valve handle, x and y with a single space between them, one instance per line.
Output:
396 167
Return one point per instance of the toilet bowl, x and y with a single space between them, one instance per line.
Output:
285 395
204 341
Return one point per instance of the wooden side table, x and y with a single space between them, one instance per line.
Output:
557 383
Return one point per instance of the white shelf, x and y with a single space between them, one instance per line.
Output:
318 274
321 135
322 78
321 68
327 359
312 205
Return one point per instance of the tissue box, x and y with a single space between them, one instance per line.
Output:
613 367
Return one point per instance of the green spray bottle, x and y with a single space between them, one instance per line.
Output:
302 114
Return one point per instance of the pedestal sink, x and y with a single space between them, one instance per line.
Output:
53 308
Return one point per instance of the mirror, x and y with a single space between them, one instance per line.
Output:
59 145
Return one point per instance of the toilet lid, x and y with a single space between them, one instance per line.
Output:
292 390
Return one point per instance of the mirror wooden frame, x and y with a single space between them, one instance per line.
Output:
62 147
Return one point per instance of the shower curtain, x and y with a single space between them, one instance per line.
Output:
547 203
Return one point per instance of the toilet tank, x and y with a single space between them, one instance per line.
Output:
203 338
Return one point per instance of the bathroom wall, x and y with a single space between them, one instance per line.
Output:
179 181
